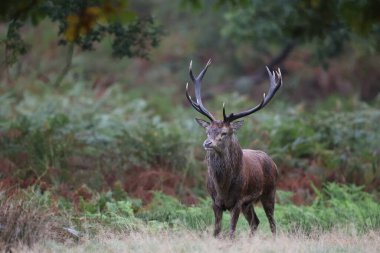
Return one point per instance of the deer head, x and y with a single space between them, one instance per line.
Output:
221 133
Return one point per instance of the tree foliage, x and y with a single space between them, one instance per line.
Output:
328 25
82 23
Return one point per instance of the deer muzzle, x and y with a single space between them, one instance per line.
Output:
207 144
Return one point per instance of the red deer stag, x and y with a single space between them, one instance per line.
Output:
237 177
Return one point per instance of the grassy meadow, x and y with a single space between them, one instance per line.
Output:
188 241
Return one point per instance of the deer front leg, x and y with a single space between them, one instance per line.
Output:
235 212
218 212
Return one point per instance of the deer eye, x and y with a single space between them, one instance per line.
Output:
223 134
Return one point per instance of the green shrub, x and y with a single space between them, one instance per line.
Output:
170 211
115 132
41 133
341 141
345 207
336 206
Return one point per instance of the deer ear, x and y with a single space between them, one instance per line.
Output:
236 125
202 122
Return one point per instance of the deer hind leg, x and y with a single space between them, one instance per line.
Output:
268 204
218 212
250 214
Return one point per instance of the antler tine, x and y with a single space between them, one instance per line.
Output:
203 72
192 102
191 71
275 83
198 105
224 112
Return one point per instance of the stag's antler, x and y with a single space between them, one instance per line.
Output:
198 105
275 83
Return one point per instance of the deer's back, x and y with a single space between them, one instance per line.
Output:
259 170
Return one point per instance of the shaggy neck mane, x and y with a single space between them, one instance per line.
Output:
226 163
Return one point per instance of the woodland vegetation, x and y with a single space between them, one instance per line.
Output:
98 142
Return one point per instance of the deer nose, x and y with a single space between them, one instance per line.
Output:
207 144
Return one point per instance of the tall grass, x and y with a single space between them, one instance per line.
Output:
35 217
190 241
23 221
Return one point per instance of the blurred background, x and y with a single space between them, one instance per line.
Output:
92 93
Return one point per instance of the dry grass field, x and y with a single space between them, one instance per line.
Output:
186 241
